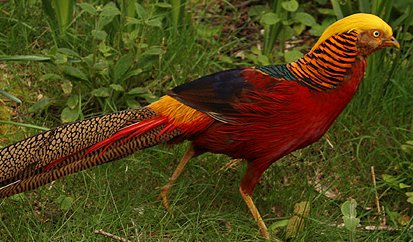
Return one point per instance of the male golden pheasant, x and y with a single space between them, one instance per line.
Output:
259 114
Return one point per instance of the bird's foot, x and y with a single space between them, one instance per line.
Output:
164 197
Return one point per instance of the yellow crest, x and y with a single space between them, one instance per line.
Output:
357 22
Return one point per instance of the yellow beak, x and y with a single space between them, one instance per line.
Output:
391 42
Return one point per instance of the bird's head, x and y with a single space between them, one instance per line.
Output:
373 33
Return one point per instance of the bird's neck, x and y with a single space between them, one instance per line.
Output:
329 65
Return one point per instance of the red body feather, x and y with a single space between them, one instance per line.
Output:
288 117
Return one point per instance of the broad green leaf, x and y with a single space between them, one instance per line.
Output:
134 34
141 11
117 87
287 32
122 66
163 5
390 180
142 45
87 7
132 103
410 200
67 87
318 29
40 105
73 101
135 72
263 60
298 28
137 91
105 50
153 50
252 58
59 59
348 208
74 72
149 97
99 34
351 223
69 115
226 59
207 32
291 5
101 92
256 10
402 185
292 55
408 147
409 194
130 20
68 52
305 19
155 22
110 10
101 65
65 202
326 11
269 19
256 50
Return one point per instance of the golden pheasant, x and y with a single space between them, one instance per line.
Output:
258 114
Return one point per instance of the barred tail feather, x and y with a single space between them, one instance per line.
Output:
68 149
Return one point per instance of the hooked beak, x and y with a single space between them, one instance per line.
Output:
391 42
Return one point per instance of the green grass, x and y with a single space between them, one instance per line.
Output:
122 197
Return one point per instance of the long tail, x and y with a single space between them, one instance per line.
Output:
73 147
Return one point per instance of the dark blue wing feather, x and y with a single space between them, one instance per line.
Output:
212 93
220 94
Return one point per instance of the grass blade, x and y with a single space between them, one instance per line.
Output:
24 58
364 6
178 13
337 9
32 126
64 14
10 96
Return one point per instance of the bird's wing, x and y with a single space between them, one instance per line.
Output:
229 94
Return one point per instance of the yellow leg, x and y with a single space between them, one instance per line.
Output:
254 211
165 189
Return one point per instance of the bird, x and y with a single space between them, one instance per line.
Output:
258 114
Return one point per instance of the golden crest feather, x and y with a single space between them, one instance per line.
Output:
357 22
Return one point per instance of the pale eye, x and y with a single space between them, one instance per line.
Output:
376 34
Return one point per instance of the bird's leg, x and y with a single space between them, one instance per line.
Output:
255 213
250 179
165 189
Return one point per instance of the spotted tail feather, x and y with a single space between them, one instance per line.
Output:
73 147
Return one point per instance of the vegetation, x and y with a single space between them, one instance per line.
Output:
66 60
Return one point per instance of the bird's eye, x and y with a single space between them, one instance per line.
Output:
376 34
